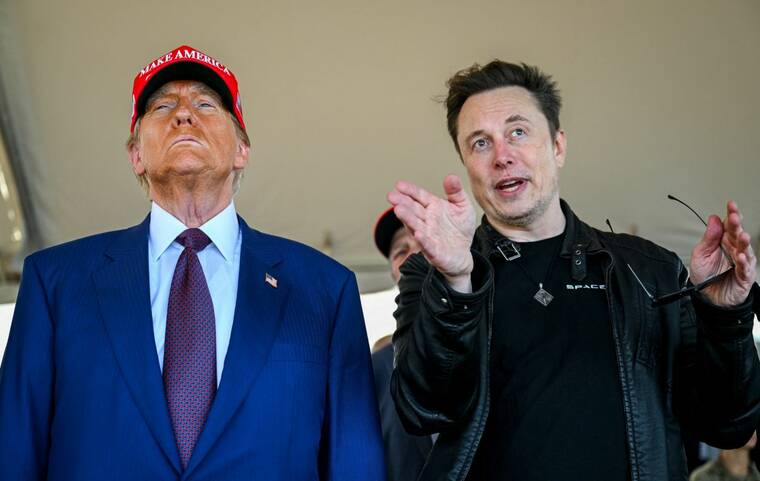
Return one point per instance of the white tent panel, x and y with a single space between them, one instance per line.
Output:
6 314
378 310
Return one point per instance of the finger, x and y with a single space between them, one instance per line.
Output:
733 225
452 186
397 198
711 238
415 192
734 238
741 257
412 207
744 242
750 250
745 270
407 217
732 210
743 246
394 197
732 207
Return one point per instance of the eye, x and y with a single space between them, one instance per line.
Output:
160 104
517 133
206 104
399 253
480 144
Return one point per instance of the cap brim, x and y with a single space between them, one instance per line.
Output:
386 227
185 71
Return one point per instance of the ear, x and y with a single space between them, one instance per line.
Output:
241 156
560 147
135 158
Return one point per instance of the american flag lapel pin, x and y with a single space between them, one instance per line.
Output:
271 280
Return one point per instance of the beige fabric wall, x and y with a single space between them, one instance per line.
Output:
660 97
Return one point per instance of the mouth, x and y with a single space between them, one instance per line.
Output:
511 185
184 139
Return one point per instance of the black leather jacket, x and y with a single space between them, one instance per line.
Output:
686 366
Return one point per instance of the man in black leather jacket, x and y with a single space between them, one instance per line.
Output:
541 348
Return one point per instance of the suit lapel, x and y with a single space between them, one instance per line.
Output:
258 313
122 289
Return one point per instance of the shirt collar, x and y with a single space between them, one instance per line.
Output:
223 230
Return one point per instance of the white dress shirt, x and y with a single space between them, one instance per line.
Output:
220 261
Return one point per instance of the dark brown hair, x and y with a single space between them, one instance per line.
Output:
496 74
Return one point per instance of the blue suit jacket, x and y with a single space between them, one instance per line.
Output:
81 394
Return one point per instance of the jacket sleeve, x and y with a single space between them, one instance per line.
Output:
717 390
26 384
440 345
351 446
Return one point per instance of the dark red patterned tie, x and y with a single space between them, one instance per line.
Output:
190 346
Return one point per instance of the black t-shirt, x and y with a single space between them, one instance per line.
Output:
556 400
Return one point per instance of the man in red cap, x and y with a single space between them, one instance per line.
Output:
189 346
405 453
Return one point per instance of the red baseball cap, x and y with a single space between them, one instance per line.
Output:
386 226
185 63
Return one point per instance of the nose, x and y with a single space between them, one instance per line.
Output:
183 113
502 154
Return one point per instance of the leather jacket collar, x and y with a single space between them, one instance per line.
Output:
580 240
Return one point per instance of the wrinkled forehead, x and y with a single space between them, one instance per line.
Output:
500 103
498 107
193 86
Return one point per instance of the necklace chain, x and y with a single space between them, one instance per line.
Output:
542 296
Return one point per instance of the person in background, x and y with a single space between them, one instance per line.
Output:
405 453
730 465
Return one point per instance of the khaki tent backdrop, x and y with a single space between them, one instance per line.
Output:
660 97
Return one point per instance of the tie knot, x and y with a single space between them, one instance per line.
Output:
194 239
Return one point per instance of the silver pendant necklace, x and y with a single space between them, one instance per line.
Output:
542 296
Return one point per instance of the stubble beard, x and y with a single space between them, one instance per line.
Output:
534 213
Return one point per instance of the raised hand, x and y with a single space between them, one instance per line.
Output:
443 227
708 260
